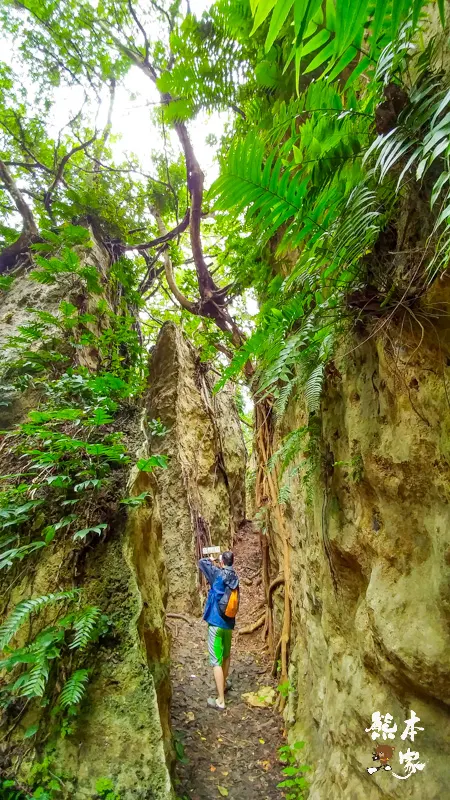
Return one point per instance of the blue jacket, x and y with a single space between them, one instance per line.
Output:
218 580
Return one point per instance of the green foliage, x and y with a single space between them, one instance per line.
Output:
334 35
297 456
137 501
419 142
105 789
74 688
284 688
74 631
355 466
17 617
47 784
311 181
10 791
179 748
69 263
295 783
315 184
6 281
157 428
85 624
149 464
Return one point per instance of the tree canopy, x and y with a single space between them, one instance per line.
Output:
332 114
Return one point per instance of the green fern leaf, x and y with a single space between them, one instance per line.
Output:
85 627
74 688
313 388
27 607
33 682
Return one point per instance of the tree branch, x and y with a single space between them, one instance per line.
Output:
164 12
213 300
183 301
141 28
166 236
60 171
151 273
22 143
29 230
107 128
134 55
21 205
195 179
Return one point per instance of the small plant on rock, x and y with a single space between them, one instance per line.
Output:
295 782
105 789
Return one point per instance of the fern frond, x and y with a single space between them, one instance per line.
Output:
269 192
332 33
74 688
27 607
284 495
422 135
33 682
282 398
313 388
289 448
85 627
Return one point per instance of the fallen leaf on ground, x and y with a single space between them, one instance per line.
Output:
223 791
264 764
263 698
213 768
190 715
261 741
224 774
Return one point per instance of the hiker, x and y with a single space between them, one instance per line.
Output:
220 611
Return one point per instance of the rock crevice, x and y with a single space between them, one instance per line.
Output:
202 492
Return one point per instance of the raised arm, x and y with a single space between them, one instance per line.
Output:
209 570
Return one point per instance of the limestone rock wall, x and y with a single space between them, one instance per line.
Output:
202 493
122 729
370 566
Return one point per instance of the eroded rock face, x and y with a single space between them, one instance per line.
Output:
202 492
122 732
370 570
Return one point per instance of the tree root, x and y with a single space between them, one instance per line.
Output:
276 657
267 494
179 616
278 581
254 627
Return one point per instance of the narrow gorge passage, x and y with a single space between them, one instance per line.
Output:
232 753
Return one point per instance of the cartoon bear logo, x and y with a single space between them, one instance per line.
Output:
383 754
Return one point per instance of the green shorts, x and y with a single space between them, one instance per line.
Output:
219 644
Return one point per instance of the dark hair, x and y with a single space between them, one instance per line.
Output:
228 558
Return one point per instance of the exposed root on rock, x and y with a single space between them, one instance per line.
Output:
254 627
170 615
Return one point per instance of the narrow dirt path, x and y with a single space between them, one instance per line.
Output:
233 753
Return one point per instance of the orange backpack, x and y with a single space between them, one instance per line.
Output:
229 602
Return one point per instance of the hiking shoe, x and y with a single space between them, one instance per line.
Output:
212 703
